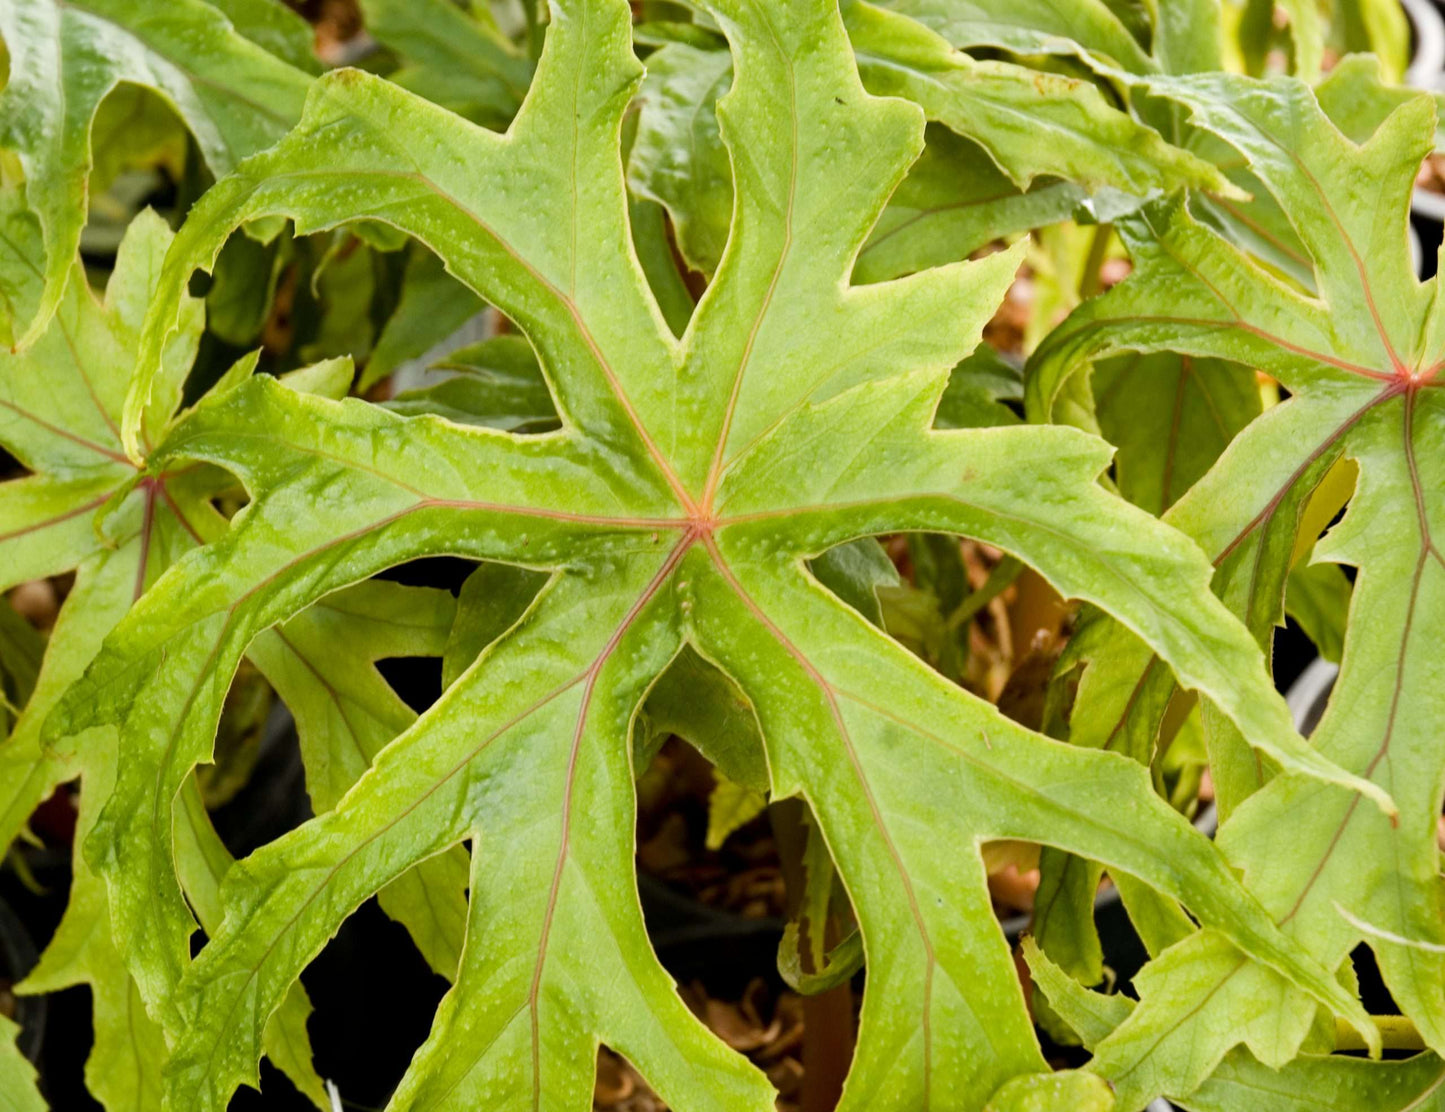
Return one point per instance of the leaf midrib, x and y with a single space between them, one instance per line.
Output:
660 460
719 462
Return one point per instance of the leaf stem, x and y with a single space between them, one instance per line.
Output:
998 581
1091 282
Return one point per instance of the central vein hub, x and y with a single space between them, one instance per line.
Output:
700 526
1413 378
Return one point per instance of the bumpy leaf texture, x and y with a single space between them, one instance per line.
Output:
1360 358
118 525
677 507
86 507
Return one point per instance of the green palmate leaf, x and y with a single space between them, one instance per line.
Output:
953 202
454 57
1242 1083
1361 365
1002 106
61 406
86 507
66 57
964 194
676 508
62 401
17 1076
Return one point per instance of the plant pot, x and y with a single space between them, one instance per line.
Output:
1308 696
1425 72
17 958
1427 56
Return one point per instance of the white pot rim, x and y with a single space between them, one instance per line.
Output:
1305 692
1426 71
1428 59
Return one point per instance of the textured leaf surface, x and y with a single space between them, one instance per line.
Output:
678 505
1361 364
87 508
65 58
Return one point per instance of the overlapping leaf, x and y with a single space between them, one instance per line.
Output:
1242 1083
1002 180
87 507
456 58
1361 364
118 525
677 506
67 56
1031 27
